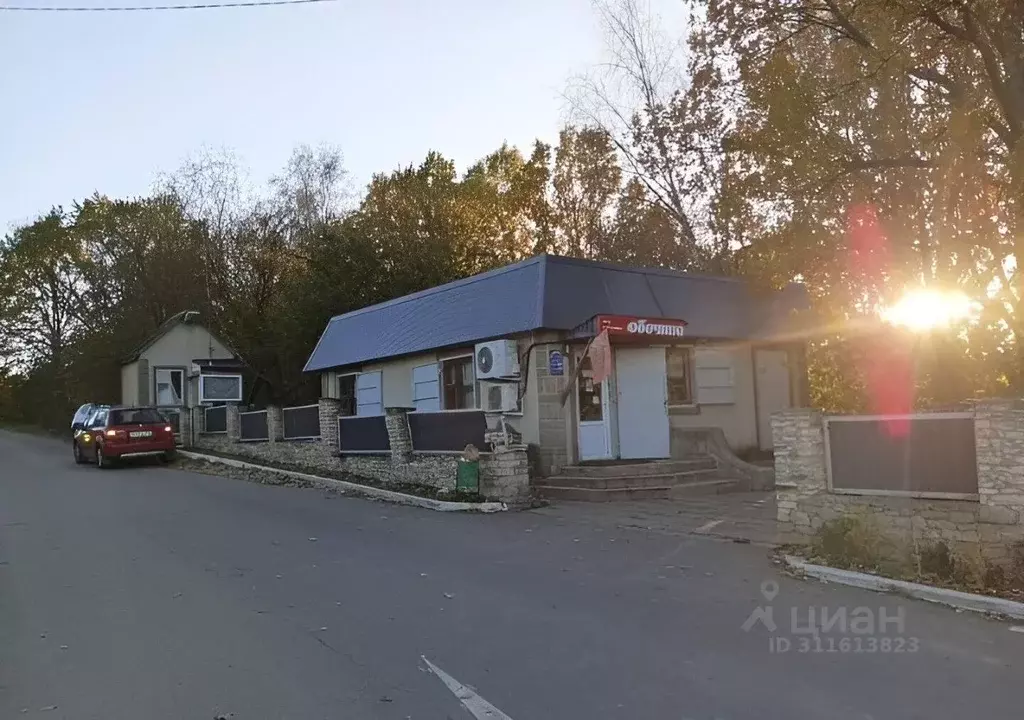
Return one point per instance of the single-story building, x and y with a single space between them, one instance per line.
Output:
181 366
688 351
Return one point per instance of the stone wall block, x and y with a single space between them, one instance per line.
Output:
275 423
399 434
330 409
234 423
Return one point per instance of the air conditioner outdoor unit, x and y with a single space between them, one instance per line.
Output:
497 359
501 397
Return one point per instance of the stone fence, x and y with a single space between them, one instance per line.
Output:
985 529
504 473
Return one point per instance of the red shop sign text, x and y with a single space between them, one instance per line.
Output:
635 326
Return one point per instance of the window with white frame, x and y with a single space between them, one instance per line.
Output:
426 394
458 384
170 386
219 388
679 375
369 398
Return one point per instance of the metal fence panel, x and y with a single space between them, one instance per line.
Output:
301 422
216 419
447 431
922 455
254 425
363 434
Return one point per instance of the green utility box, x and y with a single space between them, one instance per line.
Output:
467 476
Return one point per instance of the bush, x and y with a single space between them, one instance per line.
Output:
849 542
936 560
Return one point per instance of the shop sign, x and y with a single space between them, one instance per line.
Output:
637 326
556 363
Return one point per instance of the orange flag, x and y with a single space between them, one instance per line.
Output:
601 357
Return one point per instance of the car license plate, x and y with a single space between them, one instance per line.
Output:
141 434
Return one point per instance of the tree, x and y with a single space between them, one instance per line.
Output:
641 232
313 189
875 147
663 122
42 267
505 196
584 182
42 314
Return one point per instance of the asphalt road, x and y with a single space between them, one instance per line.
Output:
150 593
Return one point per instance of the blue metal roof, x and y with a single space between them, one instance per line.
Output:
553 293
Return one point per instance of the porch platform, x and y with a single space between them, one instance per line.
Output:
638 480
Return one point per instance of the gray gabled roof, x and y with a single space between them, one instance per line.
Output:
549 292
185 317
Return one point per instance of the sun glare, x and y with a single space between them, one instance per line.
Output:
923 310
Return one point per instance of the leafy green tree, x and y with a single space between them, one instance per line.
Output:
584 183
873 146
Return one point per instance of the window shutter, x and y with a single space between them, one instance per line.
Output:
715 377
369 400
426 393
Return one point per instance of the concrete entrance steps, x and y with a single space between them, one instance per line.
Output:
657 480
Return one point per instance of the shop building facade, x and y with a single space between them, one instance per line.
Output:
687 352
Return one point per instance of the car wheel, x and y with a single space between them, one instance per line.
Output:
79 459
167 457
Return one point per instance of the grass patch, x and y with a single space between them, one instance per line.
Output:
852 542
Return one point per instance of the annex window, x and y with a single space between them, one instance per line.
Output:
219 389
679 375
458 381
170 383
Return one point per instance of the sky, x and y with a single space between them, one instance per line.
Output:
106 101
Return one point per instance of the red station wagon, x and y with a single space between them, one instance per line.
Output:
112 434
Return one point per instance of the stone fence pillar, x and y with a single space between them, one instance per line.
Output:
505 475
234 423
399 435
185 426
330 409
275 423
799 440
999 448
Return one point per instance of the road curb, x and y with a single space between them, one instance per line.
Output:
942 596
356 489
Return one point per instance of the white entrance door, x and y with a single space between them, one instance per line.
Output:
643 402
773 392
592 404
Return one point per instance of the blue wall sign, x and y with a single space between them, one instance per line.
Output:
556 363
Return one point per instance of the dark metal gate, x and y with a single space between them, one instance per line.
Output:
919 455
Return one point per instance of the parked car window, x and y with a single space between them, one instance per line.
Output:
98 419
136 416
82 414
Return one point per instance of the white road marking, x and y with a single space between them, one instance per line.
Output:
477 706
1017 629
708 526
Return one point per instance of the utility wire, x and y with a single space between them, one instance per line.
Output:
143 8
